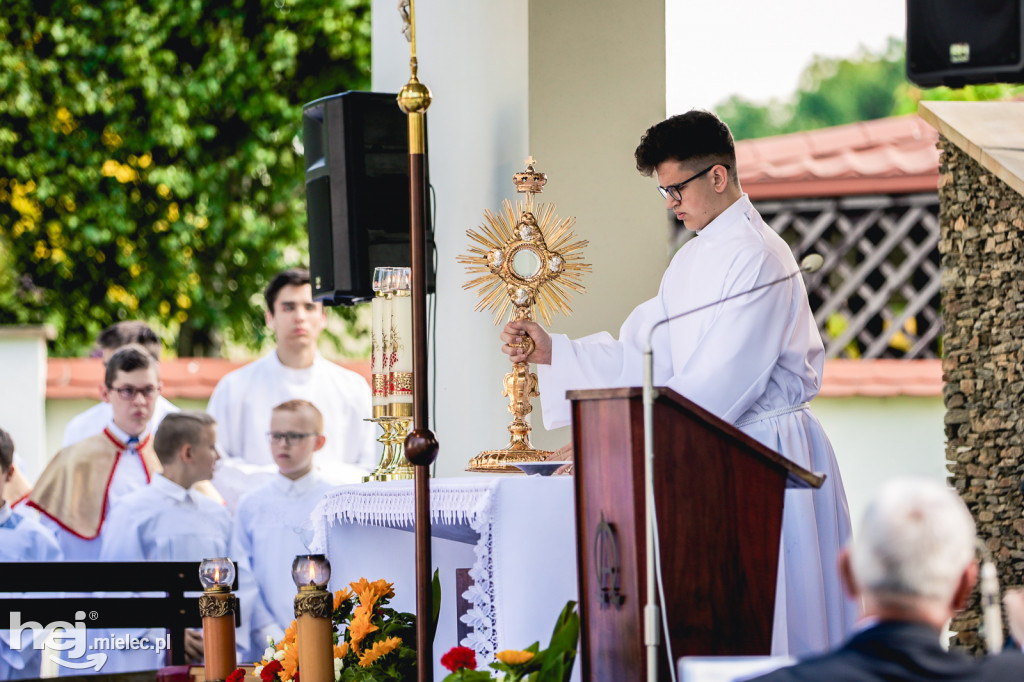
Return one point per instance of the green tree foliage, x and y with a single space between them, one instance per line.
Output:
834 91
150 158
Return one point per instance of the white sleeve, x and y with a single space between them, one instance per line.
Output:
595 361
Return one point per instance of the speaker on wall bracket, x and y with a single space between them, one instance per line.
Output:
356 147
963 42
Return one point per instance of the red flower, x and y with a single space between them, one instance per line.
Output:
237 676
459 657
270 671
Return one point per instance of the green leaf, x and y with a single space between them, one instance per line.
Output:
435 591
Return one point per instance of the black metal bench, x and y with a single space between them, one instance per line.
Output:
173 611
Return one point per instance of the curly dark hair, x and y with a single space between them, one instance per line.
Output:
697 135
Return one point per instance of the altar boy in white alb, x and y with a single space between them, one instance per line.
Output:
22 538
77 488
169 520
242 401
755 361
272 526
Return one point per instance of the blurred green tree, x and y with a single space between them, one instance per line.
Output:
151 160
833 91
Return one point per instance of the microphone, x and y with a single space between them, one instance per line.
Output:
810 263
991 613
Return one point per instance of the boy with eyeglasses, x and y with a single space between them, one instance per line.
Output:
754 360
272 525
93 420
77 488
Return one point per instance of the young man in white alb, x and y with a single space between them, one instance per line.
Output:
243 400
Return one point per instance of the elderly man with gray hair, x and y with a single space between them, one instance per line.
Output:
912 565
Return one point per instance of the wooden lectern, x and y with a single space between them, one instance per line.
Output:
718 500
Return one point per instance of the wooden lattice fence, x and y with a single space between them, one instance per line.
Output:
877 295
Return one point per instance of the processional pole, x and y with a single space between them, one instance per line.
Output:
421 444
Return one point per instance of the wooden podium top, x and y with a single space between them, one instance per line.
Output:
798 477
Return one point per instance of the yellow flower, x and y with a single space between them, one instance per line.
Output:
359 629
514 657
379 649
341 596
290 662
341 650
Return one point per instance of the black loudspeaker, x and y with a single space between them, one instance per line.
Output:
357 193
960 42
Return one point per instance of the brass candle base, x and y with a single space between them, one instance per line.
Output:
393 464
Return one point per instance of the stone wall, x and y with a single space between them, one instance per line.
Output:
982 221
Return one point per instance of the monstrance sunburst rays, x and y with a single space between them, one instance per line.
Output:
551 252
527 262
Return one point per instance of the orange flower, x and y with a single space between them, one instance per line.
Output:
341 650
514 657
379 649
341 596
289 635
290 662
359 629
369 593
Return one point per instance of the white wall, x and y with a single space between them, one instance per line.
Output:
23 357
874 438
878 438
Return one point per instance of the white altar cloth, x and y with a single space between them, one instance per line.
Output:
516 534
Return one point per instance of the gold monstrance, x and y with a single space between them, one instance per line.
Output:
528 262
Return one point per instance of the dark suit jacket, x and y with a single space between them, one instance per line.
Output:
899 652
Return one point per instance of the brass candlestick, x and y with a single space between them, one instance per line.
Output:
393 466
218 606
529 263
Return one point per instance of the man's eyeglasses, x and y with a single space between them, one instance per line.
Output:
289 437
129 392
675 192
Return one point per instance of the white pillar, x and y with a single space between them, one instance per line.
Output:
573 83
23 403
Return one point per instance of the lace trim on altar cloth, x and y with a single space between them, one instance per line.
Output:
449 504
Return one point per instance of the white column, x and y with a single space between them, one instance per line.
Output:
573 83
22 405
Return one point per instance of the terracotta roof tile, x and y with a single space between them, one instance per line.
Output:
886 156
882 377
193 378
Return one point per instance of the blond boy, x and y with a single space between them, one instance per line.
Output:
271 522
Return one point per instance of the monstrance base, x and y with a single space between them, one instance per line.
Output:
503 461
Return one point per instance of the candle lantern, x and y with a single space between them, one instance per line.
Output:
218 607
314 608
